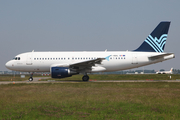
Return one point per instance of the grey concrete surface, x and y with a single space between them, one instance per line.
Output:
38 80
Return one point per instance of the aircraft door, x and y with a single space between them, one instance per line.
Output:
29 59
134 59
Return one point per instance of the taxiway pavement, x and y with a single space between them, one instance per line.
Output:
38 80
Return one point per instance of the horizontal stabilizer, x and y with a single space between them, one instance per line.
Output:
163 56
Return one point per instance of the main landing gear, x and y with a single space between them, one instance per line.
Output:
85 78
31 77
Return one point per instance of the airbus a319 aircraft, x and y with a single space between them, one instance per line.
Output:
66 64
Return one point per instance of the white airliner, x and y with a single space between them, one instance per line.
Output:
66 64
165 72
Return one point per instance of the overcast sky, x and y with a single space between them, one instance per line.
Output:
81 25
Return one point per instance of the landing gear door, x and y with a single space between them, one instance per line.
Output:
29 59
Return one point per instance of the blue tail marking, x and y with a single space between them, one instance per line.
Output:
156 41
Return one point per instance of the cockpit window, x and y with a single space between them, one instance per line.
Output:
16 58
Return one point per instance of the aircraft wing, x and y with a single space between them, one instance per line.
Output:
86 64
163 56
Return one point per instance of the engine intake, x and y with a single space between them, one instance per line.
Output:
62 72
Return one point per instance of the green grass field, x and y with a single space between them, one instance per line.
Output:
87 100
12 78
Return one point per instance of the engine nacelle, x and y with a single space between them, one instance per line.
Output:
61 72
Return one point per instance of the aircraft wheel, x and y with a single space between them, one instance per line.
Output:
85 78
30 79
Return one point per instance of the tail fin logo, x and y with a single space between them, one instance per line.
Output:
155 43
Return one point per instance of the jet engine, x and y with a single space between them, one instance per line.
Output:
62 72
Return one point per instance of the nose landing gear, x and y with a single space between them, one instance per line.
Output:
31 77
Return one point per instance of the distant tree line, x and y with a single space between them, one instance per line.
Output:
176 71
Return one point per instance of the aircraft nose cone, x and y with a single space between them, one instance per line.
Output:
8 65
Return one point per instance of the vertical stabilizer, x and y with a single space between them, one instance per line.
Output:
156 41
